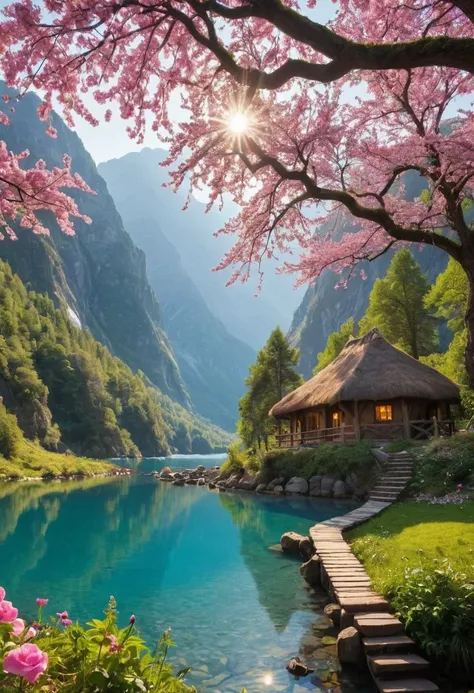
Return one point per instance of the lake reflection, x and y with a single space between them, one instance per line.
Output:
185 557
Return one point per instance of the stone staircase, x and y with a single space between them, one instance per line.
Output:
391 655
397 473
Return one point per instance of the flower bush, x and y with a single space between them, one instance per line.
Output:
67 657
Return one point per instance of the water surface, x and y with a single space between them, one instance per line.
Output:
184 557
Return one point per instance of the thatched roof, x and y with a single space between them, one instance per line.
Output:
368 368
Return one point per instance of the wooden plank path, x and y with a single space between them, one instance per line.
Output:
389 651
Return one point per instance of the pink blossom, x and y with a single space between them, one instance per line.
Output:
2 594
27 661
114 643
132 619
42 602
30 633
18 627
62 615
66 622
8 613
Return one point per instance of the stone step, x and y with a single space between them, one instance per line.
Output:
385 498
355 605
377 625
406 686
387 643
385 665
387 490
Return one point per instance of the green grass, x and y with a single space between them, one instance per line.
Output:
415 535
444 463
34 461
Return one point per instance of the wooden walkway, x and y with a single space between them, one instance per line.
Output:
389 651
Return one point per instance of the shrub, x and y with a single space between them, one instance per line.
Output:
324 459
436 606
72 658
10 434
444 463
399 445
236 461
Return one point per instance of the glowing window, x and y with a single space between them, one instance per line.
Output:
383 412
314 421
336 419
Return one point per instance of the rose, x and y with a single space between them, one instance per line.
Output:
2 594
27 661
18 627
8 613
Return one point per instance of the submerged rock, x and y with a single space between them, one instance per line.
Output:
297 485
298 668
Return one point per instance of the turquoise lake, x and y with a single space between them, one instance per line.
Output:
184 557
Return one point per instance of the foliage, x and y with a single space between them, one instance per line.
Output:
271 377
443 464
98 657
448 296
236 461
399 445
10 434
51 368
335 344
323 459
419 555
397 309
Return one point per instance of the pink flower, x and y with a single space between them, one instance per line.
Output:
30 633
8 613
18 627
62 615
2 594
66 622
27 661
114 643
132 619
42 602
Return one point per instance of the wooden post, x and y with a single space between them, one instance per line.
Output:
356 420
406 420
342 432
435 427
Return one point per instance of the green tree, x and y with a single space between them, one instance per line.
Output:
335 344
270 378
397 308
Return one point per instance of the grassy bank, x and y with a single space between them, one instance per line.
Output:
31 460
421 556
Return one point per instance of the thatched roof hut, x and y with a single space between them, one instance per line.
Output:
369 369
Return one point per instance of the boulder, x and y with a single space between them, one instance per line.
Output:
297 485
306 548
212 485
347 619
327 483
279 491
201 482
349 646
232 481
311 571
275 482
298 668
315 485
380 455
261 488
290 542
200 468
191 482
178 482
248 482
339 489
352 482
333 612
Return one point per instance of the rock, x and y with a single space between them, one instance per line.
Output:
339 489
349 646
297 485
178 476
290 542
275 482
232 481
306 548
201 482
178 482
352 482
333 612
248 482
276 548
327 483
315 485
380 455
212 485
261 488
191 482
200 468
311 571
298 668
279 491
347 620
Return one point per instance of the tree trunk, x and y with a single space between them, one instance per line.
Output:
469 319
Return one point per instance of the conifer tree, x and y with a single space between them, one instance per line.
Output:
335 344
270 378
397 309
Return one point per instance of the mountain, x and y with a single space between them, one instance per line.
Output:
136 184
98 275
212 362
325 308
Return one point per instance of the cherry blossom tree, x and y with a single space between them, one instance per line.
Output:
303 124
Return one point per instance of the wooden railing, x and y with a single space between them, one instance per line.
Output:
420 429
342 434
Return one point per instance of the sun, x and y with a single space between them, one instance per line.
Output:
239 123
